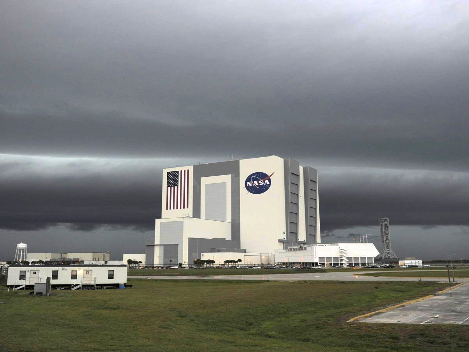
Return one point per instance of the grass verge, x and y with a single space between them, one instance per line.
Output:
215 272
220 316
458 273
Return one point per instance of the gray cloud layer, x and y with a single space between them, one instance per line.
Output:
87 193
372 143
331 84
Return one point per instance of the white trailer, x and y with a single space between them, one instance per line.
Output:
411 263
67 276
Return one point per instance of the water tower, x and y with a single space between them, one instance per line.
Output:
21 252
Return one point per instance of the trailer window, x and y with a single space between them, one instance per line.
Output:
73 274
23 275
110 274
55 274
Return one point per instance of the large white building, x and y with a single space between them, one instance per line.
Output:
334 254
258 205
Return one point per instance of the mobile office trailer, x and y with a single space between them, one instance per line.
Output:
411 263
73 276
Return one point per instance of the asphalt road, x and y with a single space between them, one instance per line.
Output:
333 276
448 308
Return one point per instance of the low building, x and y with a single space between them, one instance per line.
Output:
336 254
44 256
82 256
411 263
136 257
241 258
71 256
67 275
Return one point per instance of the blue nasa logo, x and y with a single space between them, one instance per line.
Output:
258 182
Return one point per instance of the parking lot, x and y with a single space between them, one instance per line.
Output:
448 308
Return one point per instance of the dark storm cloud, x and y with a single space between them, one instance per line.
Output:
41 194
127 193
407 197
363 84
340 81
80 133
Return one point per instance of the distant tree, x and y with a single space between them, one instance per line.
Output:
25 262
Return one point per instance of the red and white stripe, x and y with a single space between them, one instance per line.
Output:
177 197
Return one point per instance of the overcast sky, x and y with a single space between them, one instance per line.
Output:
96 97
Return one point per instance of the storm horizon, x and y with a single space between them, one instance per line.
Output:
97 98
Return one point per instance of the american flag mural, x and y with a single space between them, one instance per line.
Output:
177 189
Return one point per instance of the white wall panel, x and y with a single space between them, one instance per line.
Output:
262 215
301 209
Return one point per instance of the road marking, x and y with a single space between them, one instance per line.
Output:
426 321
415 318
464 320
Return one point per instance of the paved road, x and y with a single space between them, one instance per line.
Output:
448 308
333 276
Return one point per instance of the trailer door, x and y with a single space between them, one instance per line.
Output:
88 277
34 277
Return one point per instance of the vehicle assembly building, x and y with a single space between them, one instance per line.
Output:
254 205
244 209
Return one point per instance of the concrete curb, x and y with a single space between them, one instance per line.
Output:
450 288
405 303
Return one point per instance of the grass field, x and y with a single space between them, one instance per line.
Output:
220 316
214 272
223 271
458 273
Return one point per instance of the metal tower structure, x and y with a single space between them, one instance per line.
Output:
388 256
21 252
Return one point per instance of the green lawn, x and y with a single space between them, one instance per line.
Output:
214 271
458 273
198 315
226 271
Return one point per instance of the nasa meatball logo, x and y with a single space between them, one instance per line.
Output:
258 182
